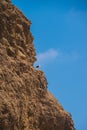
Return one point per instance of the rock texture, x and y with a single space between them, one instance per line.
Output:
25 102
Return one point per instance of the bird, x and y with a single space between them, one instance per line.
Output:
37 66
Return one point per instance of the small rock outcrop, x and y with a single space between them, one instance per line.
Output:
25 102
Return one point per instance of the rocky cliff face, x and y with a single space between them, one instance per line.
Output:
25 102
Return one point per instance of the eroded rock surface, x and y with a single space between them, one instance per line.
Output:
25 102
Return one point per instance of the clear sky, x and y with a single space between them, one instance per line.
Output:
60 31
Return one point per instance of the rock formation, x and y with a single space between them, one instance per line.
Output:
25 102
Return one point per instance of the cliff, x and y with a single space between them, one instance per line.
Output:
25 102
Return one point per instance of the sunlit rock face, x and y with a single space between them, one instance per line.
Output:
25 102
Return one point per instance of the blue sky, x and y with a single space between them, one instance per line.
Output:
60 31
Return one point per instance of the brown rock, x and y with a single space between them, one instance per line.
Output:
25 102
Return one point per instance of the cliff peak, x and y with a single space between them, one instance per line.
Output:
25 102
